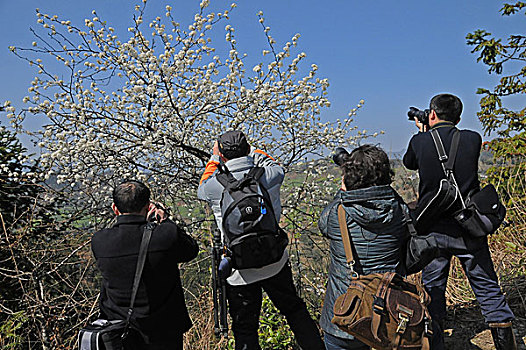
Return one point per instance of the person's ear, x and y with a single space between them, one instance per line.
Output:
115 210
344 188
433 115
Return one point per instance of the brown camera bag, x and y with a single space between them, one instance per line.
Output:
383 310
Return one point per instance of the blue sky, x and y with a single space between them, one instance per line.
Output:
392 54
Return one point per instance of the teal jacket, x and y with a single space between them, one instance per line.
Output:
376 224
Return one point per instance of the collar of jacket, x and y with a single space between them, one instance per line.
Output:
366 194
443 124
130 219
240 164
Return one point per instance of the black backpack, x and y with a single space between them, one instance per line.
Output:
253 236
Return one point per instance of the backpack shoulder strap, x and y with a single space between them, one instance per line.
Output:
256 173
225 177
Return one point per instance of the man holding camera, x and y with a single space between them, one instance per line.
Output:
159 315
443 115
244 286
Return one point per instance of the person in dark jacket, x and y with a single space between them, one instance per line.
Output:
473 253
376 223
160 313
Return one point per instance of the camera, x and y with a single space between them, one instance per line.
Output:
421 116
155 217
339 155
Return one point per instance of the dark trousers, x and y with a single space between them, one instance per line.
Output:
474 255
244 302
136 342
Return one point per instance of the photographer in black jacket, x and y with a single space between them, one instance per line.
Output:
473 253
160 313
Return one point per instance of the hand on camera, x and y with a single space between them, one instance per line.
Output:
156 212
421 126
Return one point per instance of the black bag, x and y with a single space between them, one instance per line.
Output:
103 335
447 198
483 212
253 236
444 199
112 334
420 250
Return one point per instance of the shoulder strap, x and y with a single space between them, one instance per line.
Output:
143 250
256 172
224 176
442 156
448 162
409 223
453 151
346 238
405 209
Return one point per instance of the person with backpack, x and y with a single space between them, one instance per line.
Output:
242 186
376 226
439 121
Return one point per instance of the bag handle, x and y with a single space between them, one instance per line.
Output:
342 221
143 250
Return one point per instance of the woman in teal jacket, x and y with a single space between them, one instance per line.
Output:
376 225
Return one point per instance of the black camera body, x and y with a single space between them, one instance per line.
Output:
421 116
156 218
338 156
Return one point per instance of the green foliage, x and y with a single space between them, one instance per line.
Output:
15 191
10 331
274 332
510 124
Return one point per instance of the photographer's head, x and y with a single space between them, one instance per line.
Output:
131 197
233 144
446 107
366 166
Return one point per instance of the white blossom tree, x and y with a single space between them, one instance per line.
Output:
150 106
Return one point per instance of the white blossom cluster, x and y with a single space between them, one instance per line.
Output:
150 106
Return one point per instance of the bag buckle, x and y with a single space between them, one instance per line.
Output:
428 331
350 265
402 326
378 305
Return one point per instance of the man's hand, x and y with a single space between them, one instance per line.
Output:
156 213
420 126
215 149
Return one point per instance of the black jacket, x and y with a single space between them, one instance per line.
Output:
421 155
160 308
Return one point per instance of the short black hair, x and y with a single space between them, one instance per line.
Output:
131 196
366 166
447 107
